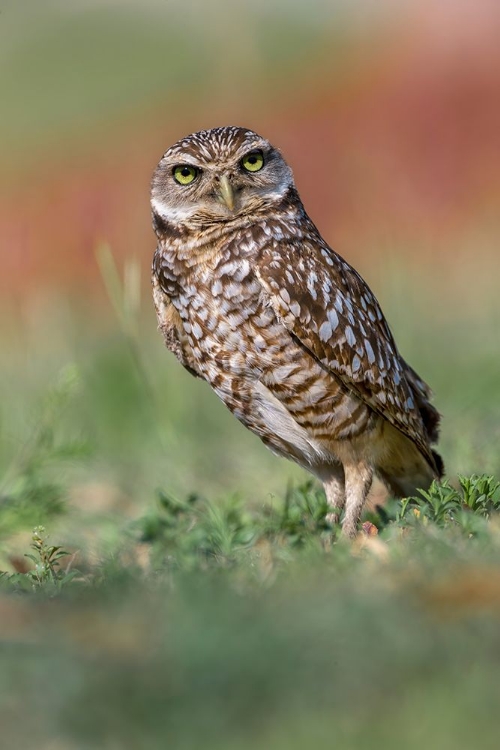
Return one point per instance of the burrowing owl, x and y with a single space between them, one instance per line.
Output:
250 298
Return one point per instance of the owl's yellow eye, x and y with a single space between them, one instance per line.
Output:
253 161
185 173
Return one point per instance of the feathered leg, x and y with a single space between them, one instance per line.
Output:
358 480
334 486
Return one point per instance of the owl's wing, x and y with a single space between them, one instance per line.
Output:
171 327
331 311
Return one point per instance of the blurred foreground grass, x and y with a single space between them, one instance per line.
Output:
249 630
202 605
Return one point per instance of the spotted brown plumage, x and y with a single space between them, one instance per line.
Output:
250 298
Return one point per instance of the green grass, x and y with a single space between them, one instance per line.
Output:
251 629
186 590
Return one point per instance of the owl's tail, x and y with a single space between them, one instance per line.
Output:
404 469
430 415
422 395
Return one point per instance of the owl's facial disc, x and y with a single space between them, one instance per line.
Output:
217 175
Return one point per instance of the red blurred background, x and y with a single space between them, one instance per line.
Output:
389 114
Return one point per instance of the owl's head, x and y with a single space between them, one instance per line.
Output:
216 175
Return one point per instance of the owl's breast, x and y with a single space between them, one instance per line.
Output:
264 376
237 339
229 326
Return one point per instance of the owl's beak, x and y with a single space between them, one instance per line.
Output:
226 192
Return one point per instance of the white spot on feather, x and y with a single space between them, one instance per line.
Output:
327 257
369 352
325 331
196 329
232 290
242 270
349 336
311 282
227 268
333 318
285 296
216 287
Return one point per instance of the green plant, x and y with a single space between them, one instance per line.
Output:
194 532
480 494
47 573
466 507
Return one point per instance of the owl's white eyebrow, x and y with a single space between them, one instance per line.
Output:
182 159
186 163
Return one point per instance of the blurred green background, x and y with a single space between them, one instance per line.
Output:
389 115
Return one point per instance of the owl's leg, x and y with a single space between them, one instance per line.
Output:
334 486
358 480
